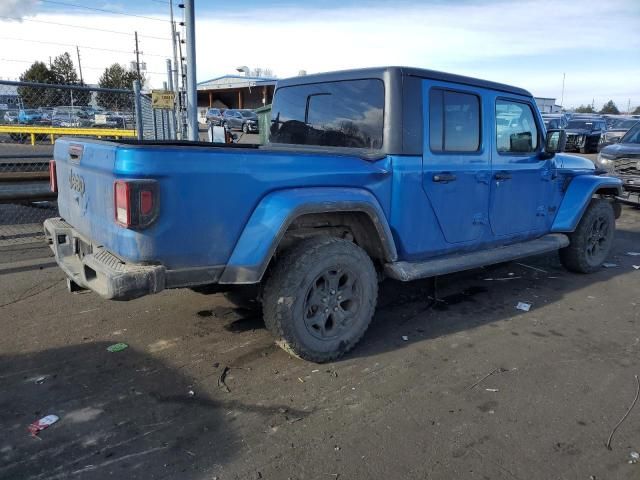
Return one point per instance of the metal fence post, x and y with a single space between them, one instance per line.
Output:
138 105
173 126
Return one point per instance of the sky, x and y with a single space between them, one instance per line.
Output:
527 43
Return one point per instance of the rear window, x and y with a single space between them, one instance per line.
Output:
333 114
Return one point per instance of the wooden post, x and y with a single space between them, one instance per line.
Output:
210 99
240 99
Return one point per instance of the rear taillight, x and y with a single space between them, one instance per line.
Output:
53 179
135 202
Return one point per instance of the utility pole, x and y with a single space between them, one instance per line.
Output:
192 92
628 106
562 97
79 66
137 57
176 84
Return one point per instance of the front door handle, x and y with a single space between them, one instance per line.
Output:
444 177
503 176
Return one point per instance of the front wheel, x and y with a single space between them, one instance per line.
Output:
592 240
320 298
245 128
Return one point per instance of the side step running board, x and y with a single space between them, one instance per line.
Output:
407 271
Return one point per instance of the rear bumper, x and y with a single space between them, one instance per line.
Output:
98 269
93 267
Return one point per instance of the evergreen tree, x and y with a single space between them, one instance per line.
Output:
585 109
116 76
33 97
64 73
610 108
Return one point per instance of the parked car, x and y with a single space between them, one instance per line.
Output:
554 120
585 134
214 116
622 160
617 130
10 116
30 116
245 120
356 185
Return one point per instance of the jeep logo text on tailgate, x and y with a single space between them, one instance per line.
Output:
76 182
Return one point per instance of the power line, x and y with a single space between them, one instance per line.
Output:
83 66
113 12
83 27
83 46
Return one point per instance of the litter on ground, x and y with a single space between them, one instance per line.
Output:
39 425
609 265
525 307
117 347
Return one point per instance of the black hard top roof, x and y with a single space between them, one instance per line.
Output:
382 72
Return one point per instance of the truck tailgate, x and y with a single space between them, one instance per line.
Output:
85 172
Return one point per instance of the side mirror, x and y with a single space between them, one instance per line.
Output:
556 141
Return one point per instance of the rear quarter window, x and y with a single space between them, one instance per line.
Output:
332 114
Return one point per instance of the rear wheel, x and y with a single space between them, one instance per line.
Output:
592 240
320 298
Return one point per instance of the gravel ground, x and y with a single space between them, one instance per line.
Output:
392 409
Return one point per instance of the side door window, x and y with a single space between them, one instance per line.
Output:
516 129
454 124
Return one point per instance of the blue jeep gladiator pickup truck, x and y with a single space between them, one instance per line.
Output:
384 172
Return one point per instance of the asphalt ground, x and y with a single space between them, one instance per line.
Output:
202 392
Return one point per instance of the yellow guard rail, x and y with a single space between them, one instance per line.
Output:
57 131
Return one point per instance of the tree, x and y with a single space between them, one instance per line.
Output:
610 108
116 76
636 111
64 73
585 109
32 97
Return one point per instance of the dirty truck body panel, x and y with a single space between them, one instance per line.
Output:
428 191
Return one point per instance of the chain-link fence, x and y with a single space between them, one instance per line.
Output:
25 197
32 116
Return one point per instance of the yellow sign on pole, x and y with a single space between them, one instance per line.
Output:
162 99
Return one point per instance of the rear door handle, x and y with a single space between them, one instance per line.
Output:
503 176
444 177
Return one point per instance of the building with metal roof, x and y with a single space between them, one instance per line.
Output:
236 91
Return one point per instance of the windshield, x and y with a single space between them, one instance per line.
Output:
632 136
248 114
581 124
624 123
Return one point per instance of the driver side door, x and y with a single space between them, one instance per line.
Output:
522 180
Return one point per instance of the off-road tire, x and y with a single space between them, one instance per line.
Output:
299 277
597 226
